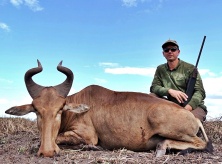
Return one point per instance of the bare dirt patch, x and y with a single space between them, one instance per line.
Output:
19 143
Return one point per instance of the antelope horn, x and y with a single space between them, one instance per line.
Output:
64 88
33 88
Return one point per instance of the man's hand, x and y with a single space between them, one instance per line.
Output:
180 96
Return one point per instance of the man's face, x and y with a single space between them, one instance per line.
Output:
171 53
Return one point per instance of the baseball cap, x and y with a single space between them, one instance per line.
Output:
169 42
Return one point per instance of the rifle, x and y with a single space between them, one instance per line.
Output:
193 79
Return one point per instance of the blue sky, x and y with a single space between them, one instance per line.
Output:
112 43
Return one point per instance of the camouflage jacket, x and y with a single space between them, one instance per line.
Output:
165 79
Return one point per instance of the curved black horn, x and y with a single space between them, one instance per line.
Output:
33 88
64 88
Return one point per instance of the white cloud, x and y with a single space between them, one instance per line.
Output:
206 72
16 2
132 71
133 3
32 4
213 86
157 4
3 101
24 100
4 27
129 3
107 64
213 107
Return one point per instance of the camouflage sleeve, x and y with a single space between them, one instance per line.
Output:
199 93
157 85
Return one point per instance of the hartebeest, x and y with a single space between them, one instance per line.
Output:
99 116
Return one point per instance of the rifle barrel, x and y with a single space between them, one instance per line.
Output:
200 51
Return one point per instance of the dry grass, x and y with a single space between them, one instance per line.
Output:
213 129
13 125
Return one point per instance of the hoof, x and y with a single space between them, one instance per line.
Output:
92 147
160 153
209 147
187 151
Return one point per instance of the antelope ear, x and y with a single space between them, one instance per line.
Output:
20 110
76 108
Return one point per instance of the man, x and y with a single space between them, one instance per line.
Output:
170 80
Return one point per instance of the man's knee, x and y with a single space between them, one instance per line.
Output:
199 113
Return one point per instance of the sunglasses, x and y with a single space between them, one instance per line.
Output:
170 49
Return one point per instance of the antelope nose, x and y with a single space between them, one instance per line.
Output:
47 154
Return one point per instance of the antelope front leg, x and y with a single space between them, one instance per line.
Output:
69 138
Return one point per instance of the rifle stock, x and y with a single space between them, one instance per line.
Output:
192 80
